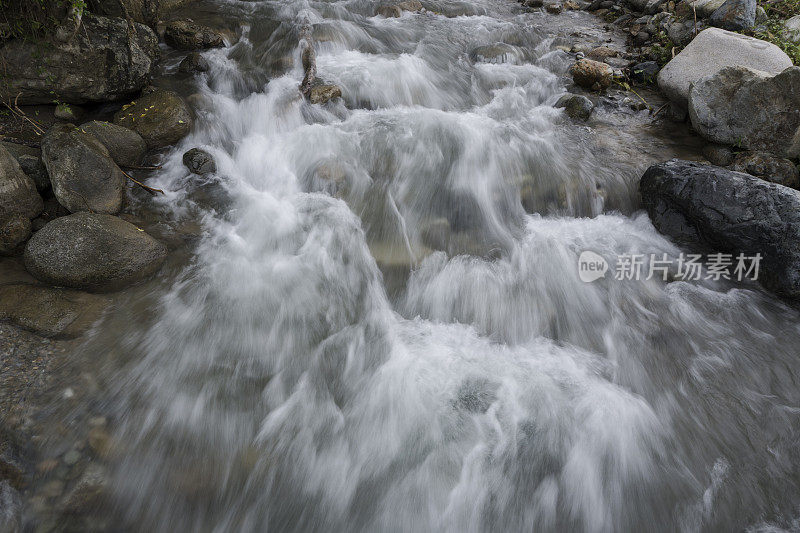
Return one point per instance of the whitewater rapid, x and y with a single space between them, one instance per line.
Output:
382 328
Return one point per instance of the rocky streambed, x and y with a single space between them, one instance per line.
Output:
116 199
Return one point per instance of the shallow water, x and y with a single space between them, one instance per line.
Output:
380 325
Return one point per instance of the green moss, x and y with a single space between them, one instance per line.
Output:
35 19
778 11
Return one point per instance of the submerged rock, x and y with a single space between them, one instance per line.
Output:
95 63
126 147
734 15
750 109
84 176
187 35
49 312
712 50
722 210
199 161
576 106
496 53
10 508
18 194
592 74
92 252
396 10
160 117
768 167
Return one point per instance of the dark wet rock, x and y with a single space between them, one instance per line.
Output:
705 8
92 252
50 312
576 106
396 10
435 234
194 62
83 175
187 35
645 72
749 109
709 207
94 64
30 161
68 113
18 194
199 161
14 231
321 94
641 38
711 51
682 33
496 53
734 15
769 167
52 210
554 8
533 4
592 74
10 508
718 154
161 117
126 147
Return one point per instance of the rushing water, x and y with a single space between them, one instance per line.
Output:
382 327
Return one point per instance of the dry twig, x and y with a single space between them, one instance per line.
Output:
151 190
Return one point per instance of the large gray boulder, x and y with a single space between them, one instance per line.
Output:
92 252
30 161
716 209
83 175
93 63
750 109
161 117
126 147
18 193
712 50
734 15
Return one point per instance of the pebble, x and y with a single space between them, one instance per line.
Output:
71 457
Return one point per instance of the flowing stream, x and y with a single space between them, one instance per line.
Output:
380 326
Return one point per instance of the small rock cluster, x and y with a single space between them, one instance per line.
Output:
61 201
